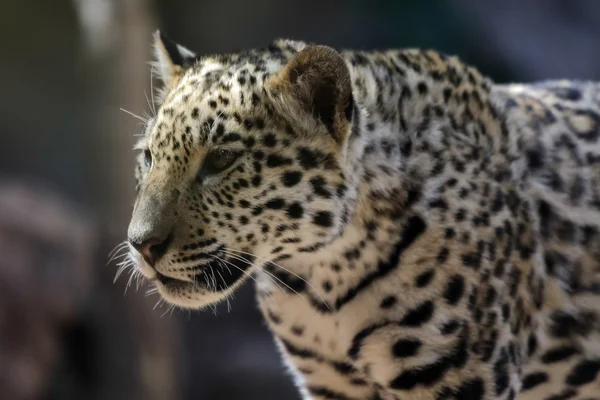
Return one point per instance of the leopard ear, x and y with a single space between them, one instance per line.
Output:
172 59
314 91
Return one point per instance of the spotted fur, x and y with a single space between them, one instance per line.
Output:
414 230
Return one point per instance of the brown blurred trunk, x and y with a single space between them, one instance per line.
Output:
120 45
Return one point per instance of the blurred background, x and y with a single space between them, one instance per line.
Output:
66 179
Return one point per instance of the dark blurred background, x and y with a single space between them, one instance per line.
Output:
66 180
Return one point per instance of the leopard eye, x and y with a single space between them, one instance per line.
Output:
216 162
147 158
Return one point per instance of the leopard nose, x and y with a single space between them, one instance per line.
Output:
152 249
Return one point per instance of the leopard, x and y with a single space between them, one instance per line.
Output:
414 230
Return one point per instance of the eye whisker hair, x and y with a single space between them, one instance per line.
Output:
152 90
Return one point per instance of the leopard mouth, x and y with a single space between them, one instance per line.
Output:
216 276
167 280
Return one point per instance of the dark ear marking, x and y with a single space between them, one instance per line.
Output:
171 48
175 53
172 59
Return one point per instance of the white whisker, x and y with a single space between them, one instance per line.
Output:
148 101
151 291
117 248
169 309
286 270
114 253
270 275
250 276
134 115
123 265
160 302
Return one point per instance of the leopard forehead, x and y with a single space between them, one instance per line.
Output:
214 105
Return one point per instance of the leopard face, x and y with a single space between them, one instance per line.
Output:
243 164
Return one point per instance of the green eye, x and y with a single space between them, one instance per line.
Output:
217 161
147 158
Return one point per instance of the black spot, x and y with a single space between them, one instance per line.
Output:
320 187
413 196
249 141
291 178
424 278
472 260
269 140
498 202
454 289
447 93
388 302
531 345
418 315
323 218
449 327
443 255
297 330
406 348
438 203
534 379
490 296
326 393
501 376
274 160
558 354
308 159
535 157
256 210
429 375
584 372
231 137
275 204
566 394
276 319
564 324
295 210
471 390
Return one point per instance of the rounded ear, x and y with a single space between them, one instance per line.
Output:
314 90
172 59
